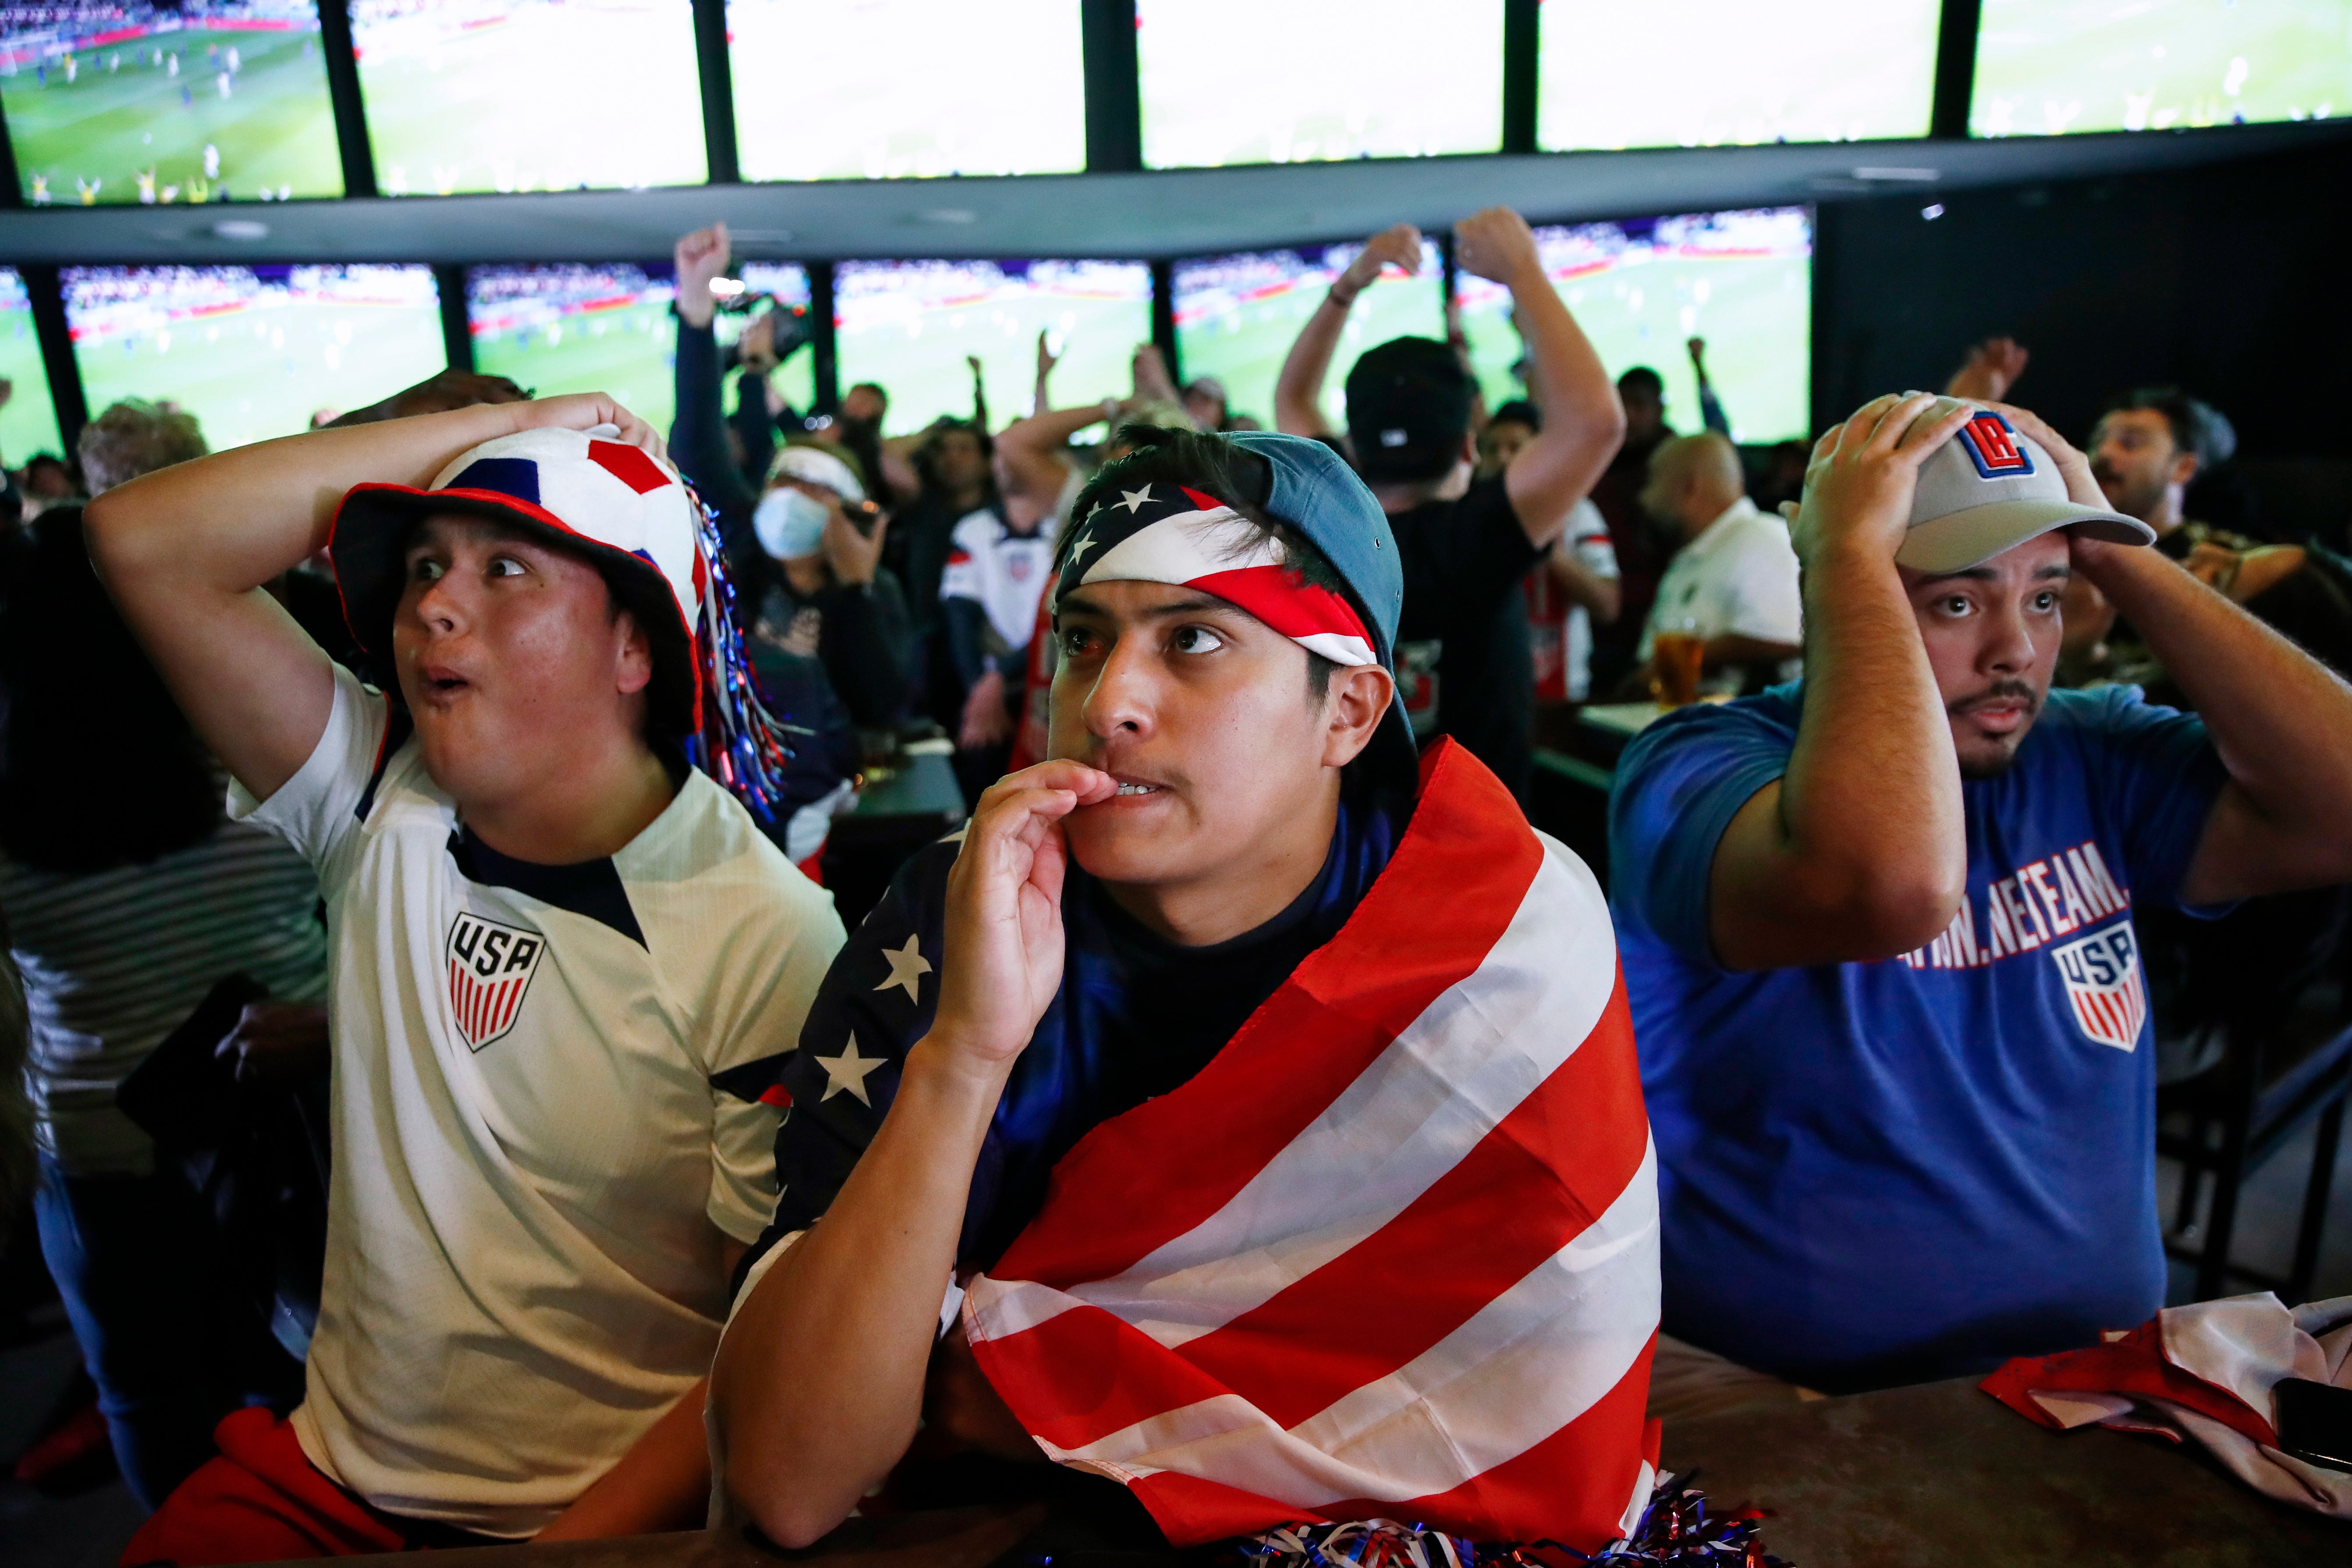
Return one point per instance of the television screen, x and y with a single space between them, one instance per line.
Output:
909 327
607 327
1236 317
128 102
1707 73
253 352
875 89
1644 288
2046 66
28 420
529 95
1240 81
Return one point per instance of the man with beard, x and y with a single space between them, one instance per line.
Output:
1878 928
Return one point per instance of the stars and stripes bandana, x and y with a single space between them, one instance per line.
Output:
1166 533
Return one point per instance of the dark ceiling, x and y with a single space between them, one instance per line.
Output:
1164 213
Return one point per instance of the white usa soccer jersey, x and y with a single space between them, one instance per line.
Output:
547 1118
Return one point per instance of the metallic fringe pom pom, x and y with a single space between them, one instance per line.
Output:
742 744
1675 1528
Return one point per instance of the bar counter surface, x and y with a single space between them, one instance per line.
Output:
1936 1474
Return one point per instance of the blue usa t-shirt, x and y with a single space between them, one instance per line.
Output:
1874 1173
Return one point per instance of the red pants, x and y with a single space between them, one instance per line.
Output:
262 1501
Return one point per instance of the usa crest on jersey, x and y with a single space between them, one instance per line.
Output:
2104 985
490 966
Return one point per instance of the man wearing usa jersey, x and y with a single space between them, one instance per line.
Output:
565 963
1230 973
1878 926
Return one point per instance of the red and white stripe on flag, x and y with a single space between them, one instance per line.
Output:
1394 1252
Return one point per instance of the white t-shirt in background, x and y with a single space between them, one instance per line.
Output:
1738 578
1585 542
547 1117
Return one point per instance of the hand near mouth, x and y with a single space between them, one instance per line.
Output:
1003 957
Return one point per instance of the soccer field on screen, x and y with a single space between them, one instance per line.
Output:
29 424
1236 317
1641 290
563 329
529 95
1300 81
158 112
253 352
1707 73
2049 66
919 88
907 326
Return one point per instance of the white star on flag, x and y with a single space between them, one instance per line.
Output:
1133 499
1079 546
848 1071
907 965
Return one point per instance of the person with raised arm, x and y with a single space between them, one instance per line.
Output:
564 964
1219 1024
1463 651
1879 927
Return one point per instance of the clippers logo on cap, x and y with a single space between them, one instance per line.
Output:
1991 444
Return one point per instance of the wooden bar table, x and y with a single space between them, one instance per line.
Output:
1940 1474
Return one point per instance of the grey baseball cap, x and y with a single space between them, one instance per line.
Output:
1990 488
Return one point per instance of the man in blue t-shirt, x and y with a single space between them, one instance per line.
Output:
1877 925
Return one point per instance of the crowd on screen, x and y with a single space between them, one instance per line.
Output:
409 966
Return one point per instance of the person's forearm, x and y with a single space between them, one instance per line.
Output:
1733 648
966 625
1582 420
1600 596
697 431
1861 853
1298 389
1032 450
231 521
662 1483
818 1385
2281 721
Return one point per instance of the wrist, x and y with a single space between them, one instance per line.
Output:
696 314
1343 294
950 1063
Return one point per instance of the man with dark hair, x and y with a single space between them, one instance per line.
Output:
2149 445
564 964
1462 649
1136 1063
1880 929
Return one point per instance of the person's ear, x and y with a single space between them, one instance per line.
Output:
2184 467
1359 698
633 664
1470 447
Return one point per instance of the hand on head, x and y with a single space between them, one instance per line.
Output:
586 410
700 256
1859 485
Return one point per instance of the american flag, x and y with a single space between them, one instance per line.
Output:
1393 1253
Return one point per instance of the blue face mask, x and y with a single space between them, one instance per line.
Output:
790 523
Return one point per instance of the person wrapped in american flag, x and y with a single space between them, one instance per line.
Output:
1260 1098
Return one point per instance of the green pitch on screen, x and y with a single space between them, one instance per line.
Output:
918 356
915 87
1241 81
261 371
29 424
520 95
1754 312
1705 73
629 351
2047 66
125 128
1244 348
